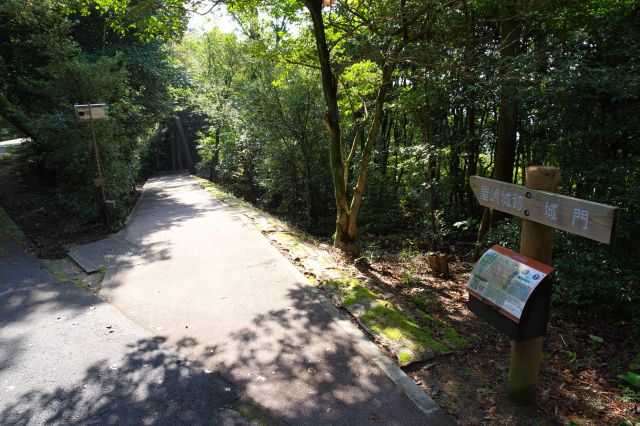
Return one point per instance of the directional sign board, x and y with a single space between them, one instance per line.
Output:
584 218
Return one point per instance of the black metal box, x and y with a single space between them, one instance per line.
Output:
512 292
535 315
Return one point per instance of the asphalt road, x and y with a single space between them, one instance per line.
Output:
215 288
5 146
67 357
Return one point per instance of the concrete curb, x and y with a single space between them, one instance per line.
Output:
133 210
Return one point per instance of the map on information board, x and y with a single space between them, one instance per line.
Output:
506 279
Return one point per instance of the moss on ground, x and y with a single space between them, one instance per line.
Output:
217 192
382 317
358 296
285 237
8 227
343 285
404 358
449 333
386 319
67 271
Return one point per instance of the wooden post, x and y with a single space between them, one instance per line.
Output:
101 195
536 242
438 263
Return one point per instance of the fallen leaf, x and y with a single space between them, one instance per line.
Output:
596 339
481 397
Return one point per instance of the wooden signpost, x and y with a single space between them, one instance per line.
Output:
585 218
91 113
542 212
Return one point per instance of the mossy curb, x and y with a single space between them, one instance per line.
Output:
220 194
8 228
410 338
66 270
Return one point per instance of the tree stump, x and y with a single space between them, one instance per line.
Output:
438 263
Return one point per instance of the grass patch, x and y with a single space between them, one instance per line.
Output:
449 333
383 318
386 319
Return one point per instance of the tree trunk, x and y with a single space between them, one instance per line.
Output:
215 158
387 71
312 196
473 149
508 107
332 124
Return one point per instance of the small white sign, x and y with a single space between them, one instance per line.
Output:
91 112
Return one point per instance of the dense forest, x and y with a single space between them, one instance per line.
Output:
359 123
352 120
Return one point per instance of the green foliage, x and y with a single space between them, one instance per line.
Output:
147 19
257 101
7 131
632 378
54 65
601 277
573 78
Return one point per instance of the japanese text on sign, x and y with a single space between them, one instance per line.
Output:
581 217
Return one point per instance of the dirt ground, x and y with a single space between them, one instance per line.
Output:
49 225
583 354
582 358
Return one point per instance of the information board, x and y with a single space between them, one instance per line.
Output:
506 279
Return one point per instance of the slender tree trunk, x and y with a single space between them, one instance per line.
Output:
473 149
311 194
332 124
356 202
346 214
215 158
424 120
482 231
508 106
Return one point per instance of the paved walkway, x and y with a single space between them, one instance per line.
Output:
221 293
67 357
5 146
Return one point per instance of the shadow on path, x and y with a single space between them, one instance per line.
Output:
151 385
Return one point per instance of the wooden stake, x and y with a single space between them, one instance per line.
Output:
432 260
438 263
536 242
443 264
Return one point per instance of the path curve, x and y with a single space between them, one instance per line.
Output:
218 290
